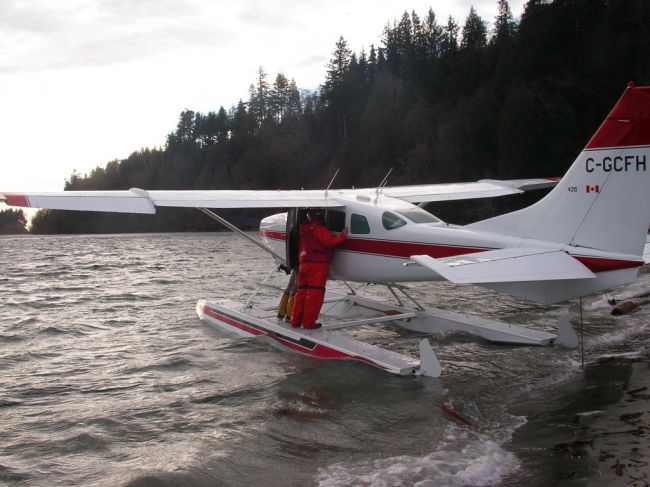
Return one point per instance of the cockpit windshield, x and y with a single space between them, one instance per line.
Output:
418 215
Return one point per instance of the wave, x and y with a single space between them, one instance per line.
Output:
9 474
5 403
82 443
479 462
11 338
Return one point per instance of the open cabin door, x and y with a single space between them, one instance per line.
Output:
294 217
334 221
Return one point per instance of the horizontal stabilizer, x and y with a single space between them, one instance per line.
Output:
506 265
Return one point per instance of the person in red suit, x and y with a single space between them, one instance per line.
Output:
315 251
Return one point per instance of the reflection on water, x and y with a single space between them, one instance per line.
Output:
110 379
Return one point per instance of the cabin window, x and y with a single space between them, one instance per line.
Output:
391 221
359 224
335 220
418 215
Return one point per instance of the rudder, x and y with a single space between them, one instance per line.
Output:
603 201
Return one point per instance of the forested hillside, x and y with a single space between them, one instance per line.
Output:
439 100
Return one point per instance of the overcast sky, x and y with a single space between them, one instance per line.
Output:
83 82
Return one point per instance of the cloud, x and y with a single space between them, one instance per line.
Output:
44 34
93 80
38 35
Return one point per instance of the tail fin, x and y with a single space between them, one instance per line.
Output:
603 201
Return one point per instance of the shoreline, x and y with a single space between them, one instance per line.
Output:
593 429
618 441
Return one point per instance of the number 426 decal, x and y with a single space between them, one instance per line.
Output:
588 188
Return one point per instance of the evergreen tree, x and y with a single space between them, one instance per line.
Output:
242 126
504 24
372 64
419 39
450 37
433 35
260 97
474 32
185 130
279 98
294 102
222 125
404 40
336 68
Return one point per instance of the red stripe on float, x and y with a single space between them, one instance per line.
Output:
319 351
248 329
326 353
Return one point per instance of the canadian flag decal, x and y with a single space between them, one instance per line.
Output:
592 189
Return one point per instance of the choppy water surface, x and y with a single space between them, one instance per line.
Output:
108 378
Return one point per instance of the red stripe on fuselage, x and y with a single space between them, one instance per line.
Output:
273 235
393 248
598 264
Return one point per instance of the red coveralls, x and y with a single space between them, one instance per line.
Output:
315 252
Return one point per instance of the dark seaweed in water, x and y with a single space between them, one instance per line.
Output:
108 378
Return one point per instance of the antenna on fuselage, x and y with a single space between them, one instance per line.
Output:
383 183
385 180
330 184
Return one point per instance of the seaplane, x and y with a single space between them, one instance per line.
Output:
585 236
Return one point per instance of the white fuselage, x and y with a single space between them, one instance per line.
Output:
378 249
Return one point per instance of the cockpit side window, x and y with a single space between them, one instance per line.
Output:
359 224
391 221
335 220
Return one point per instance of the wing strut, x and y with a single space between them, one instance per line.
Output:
232 227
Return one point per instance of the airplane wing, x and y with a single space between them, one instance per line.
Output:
485 188
506 265
137 200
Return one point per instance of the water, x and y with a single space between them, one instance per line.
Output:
108 378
